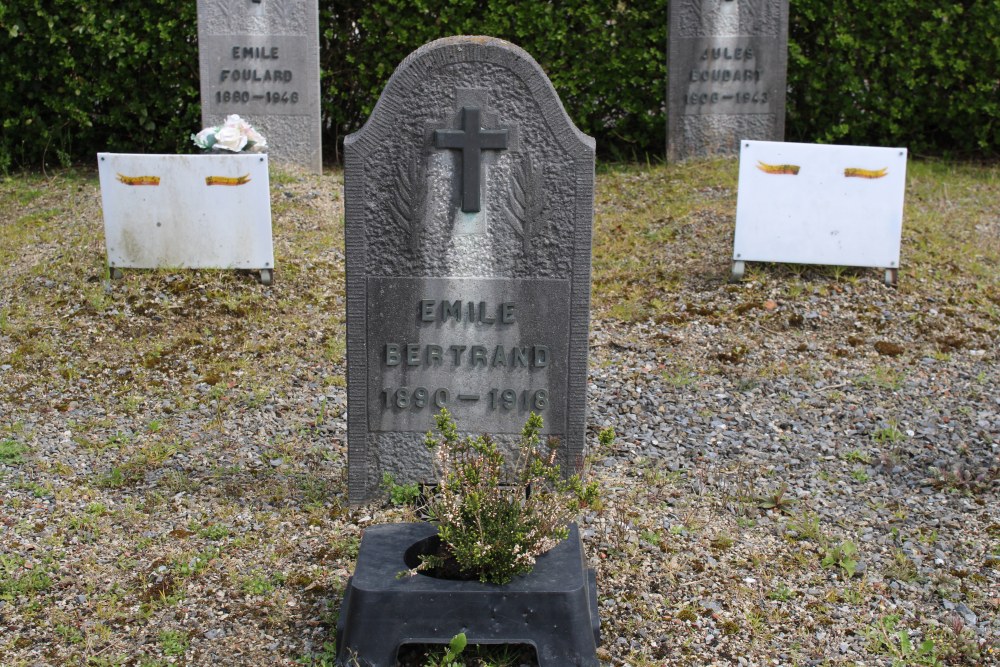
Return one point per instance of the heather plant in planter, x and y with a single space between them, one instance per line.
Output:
500 560
496 516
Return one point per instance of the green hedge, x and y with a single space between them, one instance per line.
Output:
918 73
605 59
80 77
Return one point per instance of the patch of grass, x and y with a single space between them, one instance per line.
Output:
860 475
191 564
883 377
780 593
651 537
18 578
680 377
117 477
902 568
641 211
174 642
722 542
807 527
260 583
857 456
37 490
888 434
12 452
69 634
213 531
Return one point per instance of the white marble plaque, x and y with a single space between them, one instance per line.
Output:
820 204
186 211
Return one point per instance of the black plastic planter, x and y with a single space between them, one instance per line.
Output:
553 608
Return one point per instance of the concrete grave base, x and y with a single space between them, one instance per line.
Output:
553 608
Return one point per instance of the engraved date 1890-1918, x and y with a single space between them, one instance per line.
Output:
418 398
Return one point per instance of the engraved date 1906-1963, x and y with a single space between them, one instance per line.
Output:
418 398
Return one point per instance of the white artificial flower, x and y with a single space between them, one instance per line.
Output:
255 138
234 120
204 139
230 138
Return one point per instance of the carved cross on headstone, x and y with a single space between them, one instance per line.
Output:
472 140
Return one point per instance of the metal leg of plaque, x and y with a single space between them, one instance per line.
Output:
739 268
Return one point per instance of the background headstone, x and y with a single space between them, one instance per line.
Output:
469 209
727 63
260 59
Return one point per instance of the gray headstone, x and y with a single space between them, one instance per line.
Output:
727 63
469 208
260 59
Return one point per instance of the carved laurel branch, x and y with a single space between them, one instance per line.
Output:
409 207
231 12
749 15
695 10
690 17
289 14
526 212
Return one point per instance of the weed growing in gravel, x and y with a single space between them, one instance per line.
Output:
843 556
722 542
806 527
37 490
400 494
960 478
212 531
680 378
192 564
857 456
69 634
16 579
325 657
777 500
885 637
651 537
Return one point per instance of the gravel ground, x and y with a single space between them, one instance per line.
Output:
805 471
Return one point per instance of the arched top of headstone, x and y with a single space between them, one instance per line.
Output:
420 65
